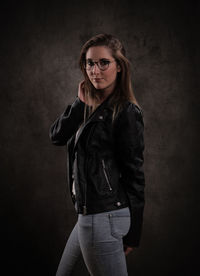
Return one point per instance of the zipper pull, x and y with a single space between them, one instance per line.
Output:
84 210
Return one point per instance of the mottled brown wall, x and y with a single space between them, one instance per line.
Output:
40 46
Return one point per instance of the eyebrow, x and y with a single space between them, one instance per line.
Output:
99 59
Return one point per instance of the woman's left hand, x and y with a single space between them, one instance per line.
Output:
127 249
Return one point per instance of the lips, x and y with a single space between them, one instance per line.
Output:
97 79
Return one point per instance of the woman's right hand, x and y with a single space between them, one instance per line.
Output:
81 91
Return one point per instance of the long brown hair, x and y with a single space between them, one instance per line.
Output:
123 90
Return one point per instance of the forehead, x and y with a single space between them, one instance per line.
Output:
98 52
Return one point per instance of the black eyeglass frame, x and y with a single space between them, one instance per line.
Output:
97 63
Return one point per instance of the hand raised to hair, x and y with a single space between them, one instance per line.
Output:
81 93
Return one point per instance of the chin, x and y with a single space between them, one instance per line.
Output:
98 86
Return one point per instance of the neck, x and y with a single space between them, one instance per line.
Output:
104 93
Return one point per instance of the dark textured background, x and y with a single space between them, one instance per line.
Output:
40 46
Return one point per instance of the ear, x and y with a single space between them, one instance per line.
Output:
118 68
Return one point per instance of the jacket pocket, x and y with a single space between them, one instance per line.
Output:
106 174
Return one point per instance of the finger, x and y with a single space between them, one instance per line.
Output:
128 250
82 82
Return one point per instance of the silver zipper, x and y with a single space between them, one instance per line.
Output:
106 176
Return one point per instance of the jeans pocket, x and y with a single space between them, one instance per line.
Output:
119 224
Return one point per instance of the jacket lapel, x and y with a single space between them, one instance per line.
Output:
96 116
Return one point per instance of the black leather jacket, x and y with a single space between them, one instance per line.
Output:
105 159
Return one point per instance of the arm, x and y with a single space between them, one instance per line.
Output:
67 124
129 144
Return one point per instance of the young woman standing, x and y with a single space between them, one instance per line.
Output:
103 130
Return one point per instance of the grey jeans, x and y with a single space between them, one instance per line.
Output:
98 237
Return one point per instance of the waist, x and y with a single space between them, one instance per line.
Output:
125 211
100 207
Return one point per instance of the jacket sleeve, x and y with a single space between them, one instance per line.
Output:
67 123
129 144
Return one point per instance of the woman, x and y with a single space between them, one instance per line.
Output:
103 130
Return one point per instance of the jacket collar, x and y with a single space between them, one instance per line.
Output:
97 115
99 110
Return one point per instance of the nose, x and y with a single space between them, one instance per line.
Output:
95 69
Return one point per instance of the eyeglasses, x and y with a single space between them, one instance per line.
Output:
102 64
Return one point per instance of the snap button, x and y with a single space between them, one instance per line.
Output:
118 203
100 117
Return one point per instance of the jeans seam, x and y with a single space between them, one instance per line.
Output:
92 231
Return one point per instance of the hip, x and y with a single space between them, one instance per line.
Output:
105 226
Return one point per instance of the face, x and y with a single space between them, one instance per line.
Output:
103 80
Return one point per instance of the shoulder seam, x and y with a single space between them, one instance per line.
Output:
137 108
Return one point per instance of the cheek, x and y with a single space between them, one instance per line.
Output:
88 74
112 75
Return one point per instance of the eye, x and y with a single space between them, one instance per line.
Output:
89 62
104 62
